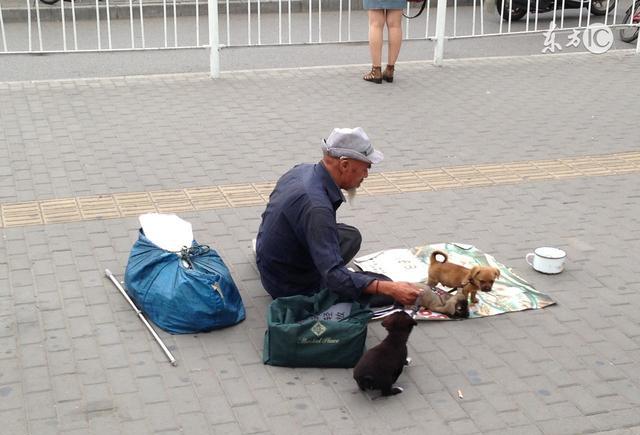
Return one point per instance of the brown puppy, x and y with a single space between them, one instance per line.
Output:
381 365
455 306
454 275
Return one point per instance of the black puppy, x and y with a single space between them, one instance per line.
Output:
381 365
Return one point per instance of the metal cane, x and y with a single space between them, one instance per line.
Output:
166 351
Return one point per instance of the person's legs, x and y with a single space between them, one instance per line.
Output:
376 27
394 29
350 241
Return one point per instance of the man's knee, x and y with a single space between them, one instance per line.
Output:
350 241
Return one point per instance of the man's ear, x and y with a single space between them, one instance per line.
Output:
343 166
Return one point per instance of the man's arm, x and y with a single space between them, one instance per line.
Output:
321 235
404 292
322 239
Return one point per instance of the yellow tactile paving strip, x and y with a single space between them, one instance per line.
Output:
111 206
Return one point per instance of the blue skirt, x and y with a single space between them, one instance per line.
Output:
384 4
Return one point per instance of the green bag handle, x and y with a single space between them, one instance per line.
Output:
297 308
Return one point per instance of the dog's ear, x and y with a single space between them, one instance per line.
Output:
390 321
496 273
406 321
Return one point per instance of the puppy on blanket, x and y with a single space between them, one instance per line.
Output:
454 275
455 306
381 365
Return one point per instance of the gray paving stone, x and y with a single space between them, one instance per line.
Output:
121 381
90 371
29 332
515 418
281 424
184 400
40 405
9 347
113 356
12 396
32 355
570 368
570 425
71 416
45 426
36 379
195 423
129 407
483 415
464 426
14 421
161 417
258 377
323 396
237 391
152 389
528 430
228 428
225 366
626 418
446 406
217 410
250 419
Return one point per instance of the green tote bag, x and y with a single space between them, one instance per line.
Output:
315 331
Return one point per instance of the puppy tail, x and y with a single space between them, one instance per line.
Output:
436 253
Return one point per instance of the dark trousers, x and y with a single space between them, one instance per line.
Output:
350 241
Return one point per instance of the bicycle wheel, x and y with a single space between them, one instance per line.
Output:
517 11
630 34
599 7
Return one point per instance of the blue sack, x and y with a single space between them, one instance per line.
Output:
183 293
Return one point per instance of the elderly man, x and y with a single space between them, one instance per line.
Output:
300 247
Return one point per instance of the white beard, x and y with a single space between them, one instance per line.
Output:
351 195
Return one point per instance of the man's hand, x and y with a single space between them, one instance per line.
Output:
405 293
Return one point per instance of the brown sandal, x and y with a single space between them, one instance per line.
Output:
375 75
388 73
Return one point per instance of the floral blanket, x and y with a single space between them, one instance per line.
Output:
510 292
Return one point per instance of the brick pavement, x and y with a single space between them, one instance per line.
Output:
75 360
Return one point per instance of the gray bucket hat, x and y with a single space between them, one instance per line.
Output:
351 143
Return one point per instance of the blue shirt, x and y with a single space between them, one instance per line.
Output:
297 248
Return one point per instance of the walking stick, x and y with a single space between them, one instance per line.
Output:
166 351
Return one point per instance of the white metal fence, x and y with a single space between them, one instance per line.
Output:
29 26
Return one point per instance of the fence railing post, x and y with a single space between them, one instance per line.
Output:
214 41
441 16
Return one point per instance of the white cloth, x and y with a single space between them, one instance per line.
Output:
167 231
